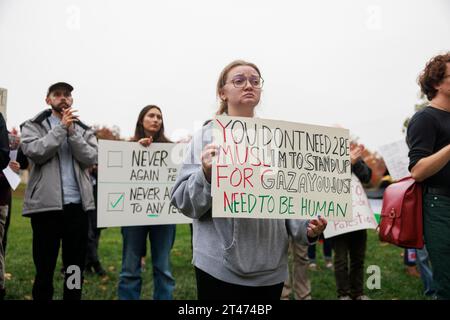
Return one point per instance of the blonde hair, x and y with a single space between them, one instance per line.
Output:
223 105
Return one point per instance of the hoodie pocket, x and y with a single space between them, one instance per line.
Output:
259 246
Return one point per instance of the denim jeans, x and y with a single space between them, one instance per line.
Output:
161 238
426 273
436 223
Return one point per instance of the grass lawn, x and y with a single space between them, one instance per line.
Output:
395 284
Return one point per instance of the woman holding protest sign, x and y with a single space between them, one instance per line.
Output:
234 258
149 128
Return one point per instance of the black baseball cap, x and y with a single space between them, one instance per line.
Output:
59 85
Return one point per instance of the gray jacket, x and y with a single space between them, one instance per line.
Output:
250 252
40 143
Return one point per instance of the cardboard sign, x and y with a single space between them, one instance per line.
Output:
396 158
135 183
280 170
363 217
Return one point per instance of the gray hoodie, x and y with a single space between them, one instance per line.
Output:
40 143
249 252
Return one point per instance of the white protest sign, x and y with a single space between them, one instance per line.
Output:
280 170
135 182
12 177
363 217
13 155
396 158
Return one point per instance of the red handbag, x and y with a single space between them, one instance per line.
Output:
401 215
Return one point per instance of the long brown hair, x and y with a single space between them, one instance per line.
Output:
139 132
223 106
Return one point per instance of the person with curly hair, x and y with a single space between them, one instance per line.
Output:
428 137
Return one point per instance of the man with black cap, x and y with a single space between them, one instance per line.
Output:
60 149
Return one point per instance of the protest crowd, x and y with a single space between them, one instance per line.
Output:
258 194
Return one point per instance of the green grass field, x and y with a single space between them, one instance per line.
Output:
395 284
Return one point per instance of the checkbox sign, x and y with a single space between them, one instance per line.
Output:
116 201
115 159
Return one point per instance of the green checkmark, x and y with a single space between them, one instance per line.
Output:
113 205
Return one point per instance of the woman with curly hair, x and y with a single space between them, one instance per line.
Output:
429 140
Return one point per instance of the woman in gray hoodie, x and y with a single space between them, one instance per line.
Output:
234 258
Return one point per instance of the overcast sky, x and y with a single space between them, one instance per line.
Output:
347 62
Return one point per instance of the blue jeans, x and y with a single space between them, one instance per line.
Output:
426 273
161 238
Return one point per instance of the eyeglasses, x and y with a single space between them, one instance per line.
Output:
241 82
